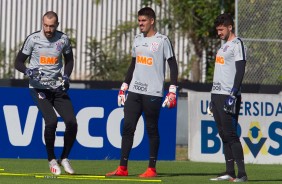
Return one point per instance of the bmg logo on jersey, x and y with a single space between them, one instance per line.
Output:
144 60
255 142
45 60
219 60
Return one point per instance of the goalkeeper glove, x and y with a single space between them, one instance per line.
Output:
34 73
210 109
65 84
230 102
121 94
170 99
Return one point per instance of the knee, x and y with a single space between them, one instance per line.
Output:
230 137
51 123
71 124
153 131
128 129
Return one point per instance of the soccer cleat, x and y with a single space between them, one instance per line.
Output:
54 167
67 167
150 172
242 179
223 177
120 171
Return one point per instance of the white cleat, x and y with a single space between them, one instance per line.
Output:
222 178
242 179
54 167
66 164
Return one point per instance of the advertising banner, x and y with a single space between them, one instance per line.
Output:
260 129
99 127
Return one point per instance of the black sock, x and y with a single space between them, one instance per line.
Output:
152 162
126 145
230 168
241 168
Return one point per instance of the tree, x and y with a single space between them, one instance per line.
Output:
108 61
193 19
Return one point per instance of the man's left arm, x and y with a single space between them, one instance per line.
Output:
170 100
240 72
173 70
69 61
68 58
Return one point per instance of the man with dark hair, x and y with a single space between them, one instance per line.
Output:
145 84
49 82
226 96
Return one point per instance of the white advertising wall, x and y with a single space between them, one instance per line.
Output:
260 129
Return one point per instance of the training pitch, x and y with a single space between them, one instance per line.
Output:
27 171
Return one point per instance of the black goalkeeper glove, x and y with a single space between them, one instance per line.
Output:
34 73
65 83
230 102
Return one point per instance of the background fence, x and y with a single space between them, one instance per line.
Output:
81 20
259 25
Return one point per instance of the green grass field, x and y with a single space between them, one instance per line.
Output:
23 171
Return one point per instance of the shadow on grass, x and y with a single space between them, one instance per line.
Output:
185 174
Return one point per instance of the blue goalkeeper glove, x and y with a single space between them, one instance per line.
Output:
34 73
230 102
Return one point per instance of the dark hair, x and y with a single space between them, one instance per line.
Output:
147 11
224 19
51 14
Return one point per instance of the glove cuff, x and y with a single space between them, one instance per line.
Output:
124 86
234 92
172 89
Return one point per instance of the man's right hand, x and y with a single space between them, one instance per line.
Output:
34 73
121 94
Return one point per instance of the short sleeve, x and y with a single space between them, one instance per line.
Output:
28 46
67 48
168 49
133 52
240 51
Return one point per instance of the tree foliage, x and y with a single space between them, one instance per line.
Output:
107 61
194 20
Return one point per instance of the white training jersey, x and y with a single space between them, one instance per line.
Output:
151 54
46 54
225 69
